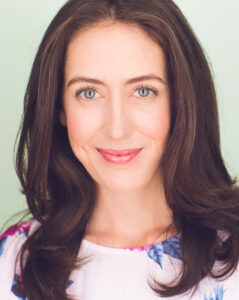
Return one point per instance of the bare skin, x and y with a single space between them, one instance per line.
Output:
131 209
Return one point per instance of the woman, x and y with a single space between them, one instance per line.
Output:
109 78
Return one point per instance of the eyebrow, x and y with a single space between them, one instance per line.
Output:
129 81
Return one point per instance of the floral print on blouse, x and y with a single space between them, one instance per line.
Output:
115 271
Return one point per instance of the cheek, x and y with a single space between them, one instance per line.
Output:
161 125
156 123
80 128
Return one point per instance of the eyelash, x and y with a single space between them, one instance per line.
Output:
141 86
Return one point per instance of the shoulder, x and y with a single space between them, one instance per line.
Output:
227 286
11 242
15 234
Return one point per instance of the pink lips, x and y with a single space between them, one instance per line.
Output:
119 156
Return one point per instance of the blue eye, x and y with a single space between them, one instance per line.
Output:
144 94
146 91
89 92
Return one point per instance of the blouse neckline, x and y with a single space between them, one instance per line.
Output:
100 248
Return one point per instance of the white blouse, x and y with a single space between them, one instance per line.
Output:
113 273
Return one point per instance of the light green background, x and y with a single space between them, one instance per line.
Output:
22 24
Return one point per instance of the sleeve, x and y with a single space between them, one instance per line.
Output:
11 242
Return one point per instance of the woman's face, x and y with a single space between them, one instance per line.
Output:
116 114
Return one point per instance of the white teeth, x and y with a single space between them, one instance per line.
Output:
122 158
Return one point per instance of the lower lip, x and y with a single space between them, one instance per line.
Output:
119 160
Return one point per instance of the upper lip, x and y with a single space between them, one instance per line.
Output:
118 152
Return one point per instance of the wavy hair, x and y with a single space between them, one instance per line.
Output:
201 194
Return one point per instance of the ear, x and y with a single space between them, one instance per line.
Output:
62 118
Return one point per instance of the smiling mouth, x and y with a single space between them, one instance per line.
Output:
119 159
119 152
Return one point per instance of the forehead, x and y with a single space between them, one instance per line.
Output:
114 51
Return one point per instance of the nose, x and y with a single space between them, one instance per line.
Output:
117 119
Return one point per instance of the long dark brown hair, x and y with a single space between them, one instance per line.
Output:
60 193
